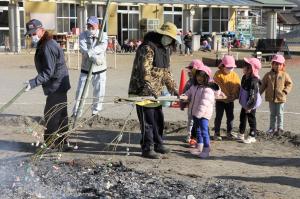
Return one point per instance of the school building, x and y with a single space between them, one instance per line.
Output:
130 19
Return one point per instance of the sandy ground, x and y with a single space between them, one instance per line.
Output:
270 169
16 69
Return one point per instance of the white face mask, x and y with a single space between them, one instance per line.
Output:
166 40
93 32
35 39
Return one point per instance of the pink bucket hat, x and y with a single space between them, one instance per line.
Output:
198 65
279 59
228 61
255 64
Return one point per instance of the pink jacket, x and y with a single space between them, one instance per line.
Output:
201 101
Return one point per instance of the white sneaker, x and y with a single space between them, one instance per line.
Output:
241 137
249 140
238 136
235 134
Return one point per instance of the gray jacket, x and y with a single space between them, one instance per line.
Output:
91 51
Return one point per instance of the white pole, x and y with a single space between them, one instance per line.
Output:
115 49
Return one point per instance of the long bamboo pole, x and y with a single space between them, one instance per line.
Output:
89 77
12 100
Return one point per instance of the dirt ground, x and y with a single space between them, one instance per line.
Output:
269 168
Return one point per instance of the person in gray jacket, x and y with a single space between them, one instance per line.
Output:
91 52
54 77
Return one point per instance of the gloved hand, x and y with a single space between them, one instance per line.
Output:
213 86
175 93
28 87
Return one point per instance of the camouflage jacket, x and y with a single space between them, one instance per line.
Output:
146 79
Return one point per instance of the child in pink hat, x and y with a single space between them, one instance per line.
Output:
249 98
276 84
201 99
191 139
229 82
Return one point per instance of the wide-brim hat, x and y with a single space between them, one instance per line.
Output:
199 65
255 65
279 59
228 61
170 30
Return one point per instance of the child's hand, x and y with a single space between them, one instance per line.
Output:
183 97
248 110
221 96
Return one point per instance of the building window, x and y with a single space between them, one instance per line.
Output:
219 19
4 29
173 14
128 23
96 10
205 19
66 17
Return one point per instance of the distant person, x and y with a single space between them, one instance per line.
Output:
188 42
249 98
206 46
53 75
94 53
150 73
276 84
229 82
180 44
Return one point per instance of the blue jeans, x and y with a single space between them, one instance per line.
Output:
98 82
202 131
276 114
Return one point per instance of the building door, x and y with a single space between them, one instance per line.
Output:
128 23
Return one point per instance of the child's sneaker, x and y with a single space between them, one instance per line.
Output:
204 153
249 140
197 150
240 137
193 143
217 137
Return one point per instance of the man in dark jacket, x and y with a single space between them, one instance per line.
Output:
54 78
150 72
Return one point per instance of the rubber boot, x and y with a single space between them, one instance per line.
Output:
205 152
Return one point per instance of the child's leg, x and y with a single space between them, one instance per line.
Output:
219 114
280 116
205 132
198 130
206 139
229 116
252 122
189 123
243 120
198 149
193 133
272 107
